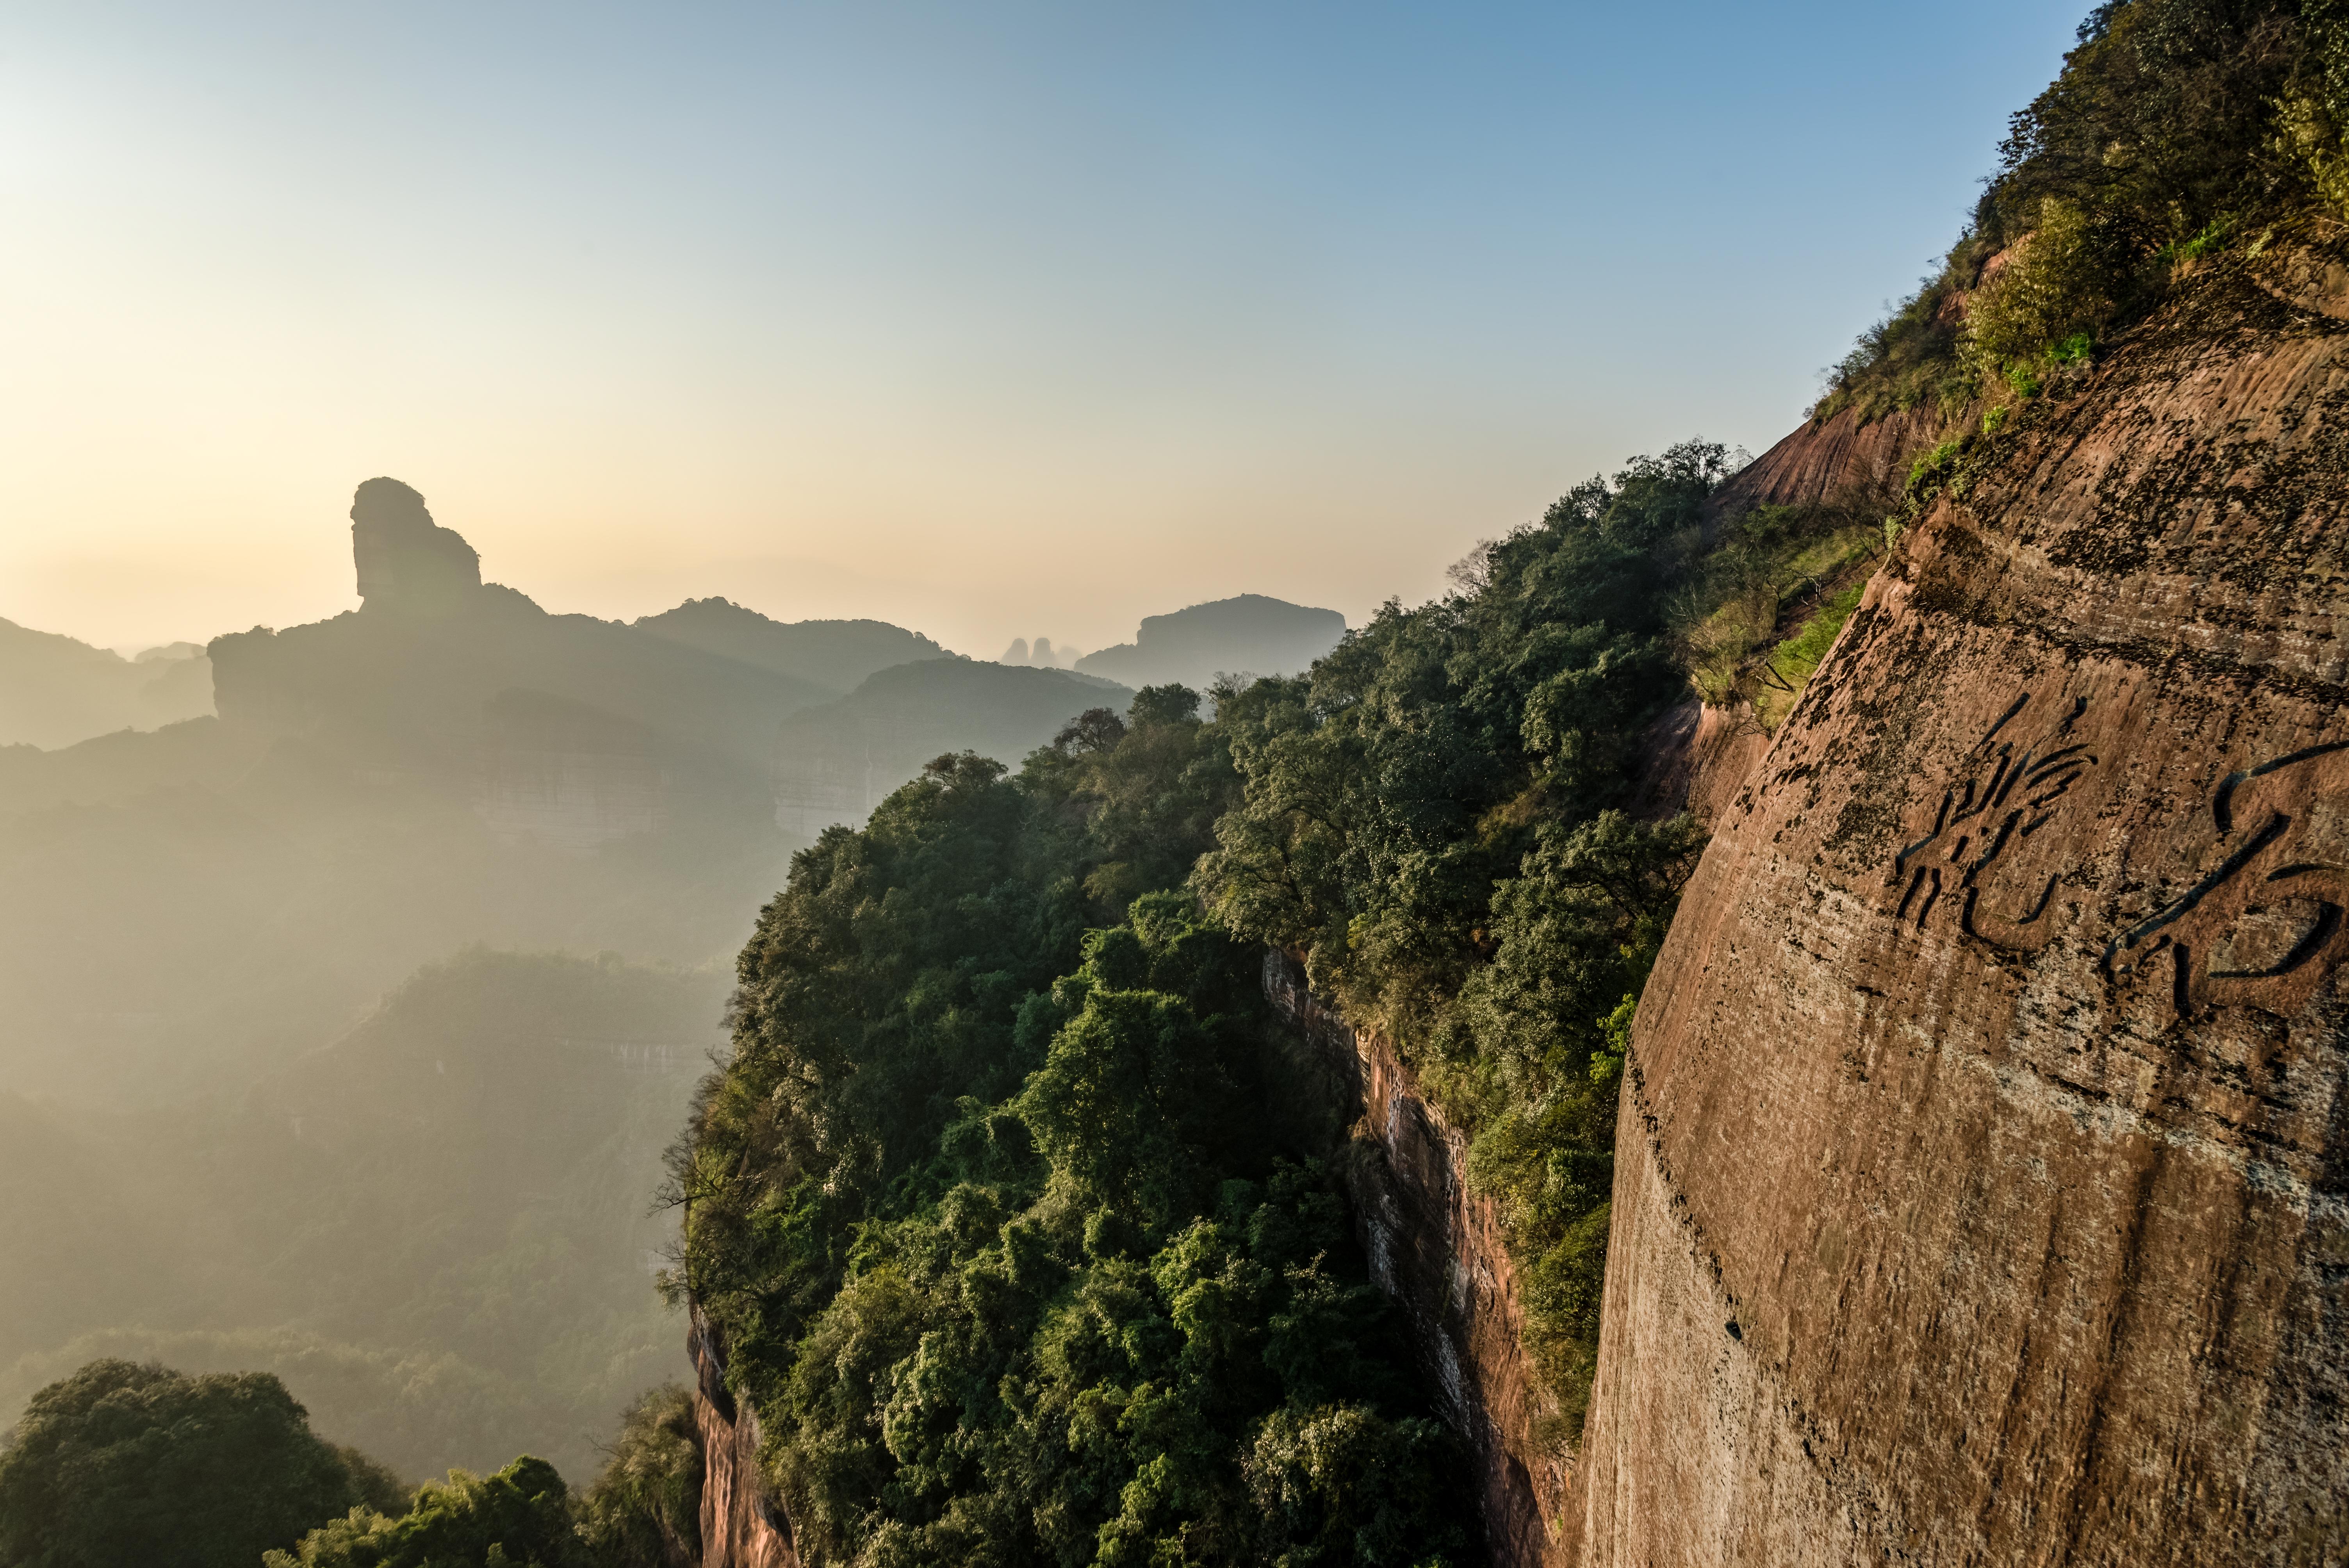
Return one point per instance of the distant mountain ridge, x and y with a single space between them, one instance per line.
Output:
834 654
54 691
449 764
1249 634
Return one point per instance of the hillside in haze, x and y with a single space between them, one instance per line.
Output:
54 691
302 1071
435 1227
1247 635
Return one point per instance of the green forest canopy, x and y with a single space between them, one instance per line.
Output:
1016 1209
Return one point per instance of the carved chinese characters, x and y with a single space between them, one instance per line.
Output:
2264 913
2263 924
1977 861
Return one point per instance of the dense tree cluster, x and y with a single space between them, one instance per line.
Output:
1013 1214
124 1463
1019 1224
1432 817
128 1463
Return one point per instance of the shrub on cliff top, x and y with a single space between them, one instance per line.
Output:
2176 128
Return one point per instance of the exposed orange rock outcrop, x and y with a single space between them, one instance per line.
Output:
1829 457
1982 1180
1695 757
740 1526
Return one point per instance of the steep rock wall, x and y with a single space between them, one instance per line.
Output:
1438 1252
1983 1177
1826 458
740 1528
1695 757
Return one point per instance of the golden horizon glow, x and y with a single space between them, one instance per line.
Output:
1035 321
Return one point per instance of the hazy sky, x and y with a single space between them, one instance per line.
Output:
991 320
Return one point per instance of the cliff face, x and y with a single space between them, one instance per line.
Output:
1439 1252
1830 458
1982 1180
739 1527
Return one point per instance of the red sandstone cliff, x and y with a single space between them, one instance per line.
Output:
1982 1180
1829 458
740 1527
1438 1250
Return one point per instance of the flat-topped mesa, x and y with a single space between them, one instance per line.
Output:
408 564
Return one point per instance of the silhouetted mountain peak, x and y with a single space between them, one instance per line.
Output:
1248 633
408 563
834 654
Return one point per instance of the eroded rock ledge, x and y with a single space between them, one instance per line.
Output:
740 1527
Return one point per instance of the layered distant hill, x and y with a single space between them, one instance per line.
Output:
1250 635
838 761
54 691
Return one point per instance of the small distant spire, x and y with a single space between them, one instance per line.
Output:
1017 654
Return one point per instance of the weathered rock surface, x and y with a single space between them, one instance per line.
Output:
1982 1180
1438 1250
1829 457
1695 757
739 1527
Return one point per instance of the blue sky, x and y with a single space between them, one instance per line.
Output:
998 320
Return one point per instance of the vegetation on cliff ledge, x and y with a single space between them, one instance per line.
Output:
1434 818
2181 131
1018 1211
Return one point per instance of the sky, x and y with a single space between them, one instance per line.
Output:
1012 320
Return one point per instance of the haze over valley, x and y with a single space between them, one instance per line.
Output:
379 876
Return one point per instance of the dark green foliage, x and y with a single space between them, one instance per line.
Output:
645 1510
1015 1230
518 1518
1429 818
2178 130
123 1463
377 1485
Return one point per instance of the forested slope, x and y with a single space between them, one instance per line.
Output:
1016 1213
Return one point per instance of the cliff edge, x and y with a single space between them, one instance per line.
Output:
1982 1181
